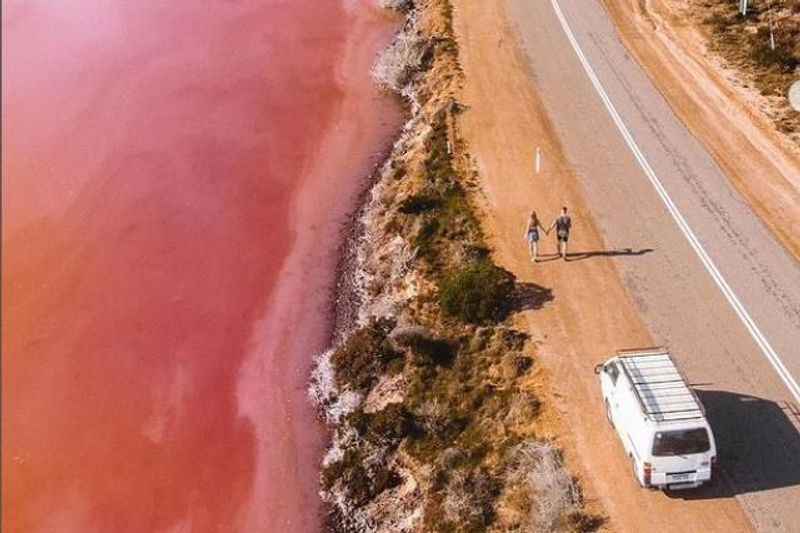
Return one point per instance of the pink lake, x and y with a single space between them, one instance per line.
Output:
175 178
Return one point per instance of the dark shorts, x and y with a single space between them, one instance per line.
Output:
563 236
533 235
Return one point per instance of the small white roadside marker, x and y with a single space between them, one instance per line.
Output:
538 159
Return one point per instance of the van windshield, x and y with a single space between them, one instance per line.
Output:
683 442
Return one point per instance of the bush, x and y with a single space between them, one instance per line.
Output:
387 426
427 349
469 499
424 239
555 498
718 22
363 357
781 58
418 203
478 294
439 161
361 481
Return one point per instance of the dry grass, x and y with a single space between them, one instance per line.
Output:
745 43
541 488
469 499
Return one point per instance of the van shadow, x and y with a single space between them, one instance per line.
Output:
758 444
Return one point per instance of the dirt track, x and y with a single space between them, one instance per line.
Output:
634 282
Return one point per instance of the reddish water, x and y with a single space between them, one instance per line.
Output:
174 177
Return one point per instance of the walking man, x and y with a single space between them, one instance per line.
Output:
563 225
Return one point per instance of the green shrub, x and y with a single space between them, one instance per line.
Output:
387 426
439 163
718 22
429 350
363 357
781 58
457 216
419 203
478 294
361 479
424 239
338 469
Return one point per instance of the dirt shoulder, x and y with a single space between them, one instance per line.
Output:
717 104
591 314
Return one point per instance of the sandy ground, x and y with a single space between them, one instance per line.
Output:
592 314
727 117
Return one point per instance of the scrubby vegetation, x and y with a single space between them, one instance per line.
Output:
440 217
364 356
465 426
746 43
479 293
431 394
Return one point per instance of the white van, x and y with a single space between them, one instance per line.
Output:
661 422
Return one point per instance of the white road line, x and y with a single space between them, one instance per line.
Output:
740 310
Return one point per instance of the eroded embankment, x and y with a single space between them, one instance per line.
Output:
429 394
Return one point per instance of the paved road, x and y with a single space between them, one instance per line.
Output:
754 414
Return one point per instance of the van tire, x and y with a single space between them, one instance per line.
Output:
608 414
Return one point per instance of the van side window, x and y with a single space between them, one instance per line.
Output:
613 372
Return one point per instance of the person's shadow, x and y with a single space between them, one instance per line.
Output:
578 256
758 444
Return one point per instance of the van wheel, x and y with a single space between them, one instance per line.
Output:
608 414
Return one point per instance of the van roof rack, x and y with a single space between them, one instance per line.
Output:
660 388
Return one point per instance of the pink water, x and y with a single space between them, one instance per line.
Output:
174 179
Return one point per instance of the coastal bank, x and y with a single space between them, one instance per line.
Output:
432 397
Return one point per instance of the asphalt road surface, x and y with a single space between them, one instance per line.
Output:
687 304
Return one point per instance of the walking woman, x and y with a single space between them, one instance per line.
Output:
532 230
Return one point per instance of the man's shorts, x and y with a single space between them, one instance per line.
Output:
563 237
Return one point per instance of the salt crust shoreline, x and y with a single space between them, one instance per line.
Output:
351 305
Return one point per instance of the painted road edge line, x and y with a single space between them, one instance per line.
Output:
733 300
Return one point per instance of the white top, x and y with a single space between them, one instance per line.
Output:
665 396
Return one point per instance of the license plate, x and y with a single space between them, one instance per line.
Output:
680 477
